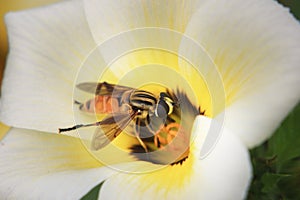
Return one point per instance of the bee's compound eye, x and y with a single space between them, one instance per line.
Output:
162 109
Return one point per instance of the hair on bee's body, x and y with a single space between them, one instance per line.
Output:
123 105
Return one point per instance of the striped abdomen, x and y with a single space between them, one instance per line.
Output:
142 100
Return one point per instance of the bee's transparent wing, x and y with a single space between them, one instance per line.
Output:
103 88
110 128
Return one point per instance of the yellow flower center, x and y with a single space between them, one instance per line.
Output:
157 70
169 178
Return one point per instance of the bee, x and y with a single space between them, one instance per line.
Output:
123 106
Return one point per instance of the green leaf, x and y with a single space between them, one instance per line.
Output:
270 182
294 5
276 163
286 142
93 193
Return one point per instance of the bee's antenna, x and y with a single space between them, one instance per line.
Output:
60 130
77 102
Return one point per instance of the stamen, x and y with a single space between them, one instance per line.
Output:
162 149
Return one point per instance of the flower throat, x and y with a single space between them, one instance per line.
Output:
161 121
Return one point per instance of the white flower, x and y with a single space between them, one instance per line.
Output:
247 53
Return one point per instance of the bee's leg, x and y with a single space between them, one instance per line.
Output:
156 141
77 102
137 134
149 126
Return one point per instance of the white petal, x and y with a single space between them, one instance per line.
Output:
224 174
47 47
35 165
255 48
139 35
108 18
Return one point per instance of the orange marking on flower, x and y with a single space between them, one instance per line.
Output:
166 134
173 139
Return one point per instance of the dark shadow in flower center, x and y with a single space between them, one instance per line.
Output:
171 143
139 152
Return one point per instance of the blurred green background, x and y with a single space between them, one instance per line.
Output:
276 163
294 5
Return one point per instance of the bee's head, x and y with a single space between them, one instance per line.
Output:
164 106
